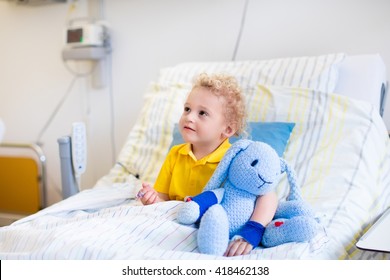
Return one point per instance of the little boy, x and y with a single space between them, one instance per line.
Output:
213 112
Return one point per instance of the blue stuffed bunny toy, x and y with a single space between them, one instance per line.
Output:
249 169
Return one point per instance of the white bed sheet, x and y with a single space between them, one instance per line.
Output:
125 231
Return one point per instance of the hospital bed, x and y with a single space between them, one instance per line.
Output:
339 149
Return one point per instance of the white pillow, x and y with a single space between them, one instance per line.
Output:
361 77
315 72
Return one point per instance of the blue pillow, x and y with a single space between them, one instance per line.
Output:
275 134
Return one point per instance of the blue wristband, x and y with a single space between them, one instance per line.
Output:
252 232
204 200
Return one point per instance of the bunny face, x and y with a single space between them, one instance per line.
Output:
255 169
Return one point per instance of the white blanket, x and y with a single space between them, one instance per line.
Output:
104 223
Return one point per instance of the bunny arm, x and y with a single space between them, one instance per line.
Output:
194 208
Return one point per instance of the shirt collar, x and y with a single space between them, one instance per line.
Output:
214 157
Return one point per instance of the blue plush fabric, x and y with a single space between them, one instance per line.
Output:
205 200
252 232
248 169
275 134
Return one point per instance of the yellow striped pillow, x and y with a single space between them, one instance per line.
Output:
148 141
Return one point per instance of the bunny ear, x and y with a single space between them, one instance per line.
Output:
220 173
283 165
295 191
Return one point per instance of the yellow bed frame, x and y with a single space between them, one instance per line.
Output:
22 181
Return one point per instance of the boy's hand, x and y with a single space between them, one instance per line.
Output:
147 195
238 247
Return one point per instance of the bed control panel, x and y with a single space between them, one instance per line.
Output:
79 147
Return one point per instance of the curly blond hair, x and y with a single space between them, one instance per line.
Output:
227 87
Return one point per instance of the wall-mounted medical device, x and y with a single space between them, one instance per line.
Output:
88 40
37 2
89 34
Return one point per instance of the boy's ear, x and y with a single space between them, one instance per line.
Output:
229 131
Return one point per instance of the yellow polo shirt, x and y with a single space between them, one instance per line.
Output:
183 175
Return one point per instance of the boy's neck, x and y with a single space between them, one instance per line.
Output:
200 151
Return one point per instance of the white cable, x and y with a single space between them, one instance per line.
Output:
241 30
57 108
107 44
112 109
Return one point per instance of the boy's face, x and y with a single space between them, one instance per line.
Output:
203 121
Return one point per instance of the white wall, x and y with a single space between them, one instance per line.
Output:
148 35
